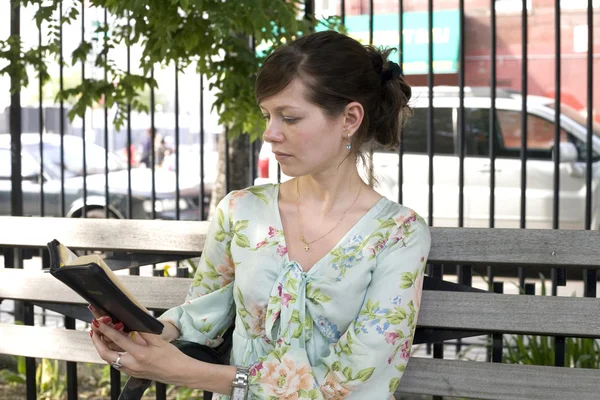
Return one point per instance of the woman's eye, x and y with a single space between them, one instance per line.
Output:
266 117
290 120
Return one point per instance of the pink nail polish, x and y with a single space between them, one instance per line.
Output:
105 320
119 326
95 323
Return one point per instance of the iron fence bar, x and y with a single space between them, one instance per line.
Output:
371 21
524 126
227 169
201 202
133 271
492 129
590 276
152 156
496 351
461 115
106 190
559 351
590 114
343 11
437 271
30 364
83 124
180 272
557 109
253 145
400 62
430 127
41 122
464 272
71 366
161 391
115 384
62 111
177 189
558 276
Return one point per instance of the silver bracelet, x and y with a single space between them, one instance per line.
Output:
239 387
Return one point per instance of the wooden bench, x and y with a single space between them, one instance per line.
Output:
451 310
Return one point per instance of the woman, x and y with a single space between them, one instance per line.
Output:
322 274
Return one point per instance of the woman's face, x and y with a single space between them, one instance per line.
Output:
303 138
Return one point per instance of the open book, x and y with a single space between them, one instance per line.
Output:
93 280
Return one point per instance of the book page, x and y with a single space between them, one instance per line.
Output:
67 257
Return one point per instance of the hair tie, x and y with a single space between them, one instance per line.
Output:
393 71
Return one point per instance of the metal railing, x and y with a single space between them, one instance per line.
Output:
346 10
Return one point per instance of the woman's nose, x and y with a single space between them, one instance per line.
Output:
272 134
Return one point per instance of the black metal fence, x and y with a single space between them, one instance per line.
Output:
476 132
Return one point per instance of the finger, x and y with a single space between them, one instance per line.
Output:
103 350
96 312
119 338
151 339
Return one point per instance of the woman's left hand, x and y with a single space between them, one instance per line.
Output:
152 358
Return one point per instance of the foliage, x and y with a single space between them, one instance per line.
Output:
213 35
51 382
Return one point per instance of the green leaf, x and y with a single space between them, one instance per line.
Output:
220 236
242 241
394 382
336 366
401 367
364 374
221 218
240 225
347 373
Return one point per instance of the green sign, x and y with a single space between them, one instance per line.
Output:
445 34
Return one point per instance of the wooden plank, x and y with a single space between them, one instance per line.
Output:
423 376
542 247
480 312
53 343
153 292
489 312
155 236
519 247
482 380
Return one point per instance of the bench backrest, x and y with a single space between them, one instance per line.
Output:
448 310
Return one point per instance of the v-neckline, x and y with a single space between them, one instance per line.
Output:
375 206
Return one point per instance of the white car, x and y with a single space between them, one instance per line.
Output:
540 163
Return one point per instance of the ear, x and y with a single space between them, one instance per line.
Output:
353 117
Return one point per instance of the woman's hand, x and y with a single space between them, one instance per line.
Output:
169 333
142 355
117 325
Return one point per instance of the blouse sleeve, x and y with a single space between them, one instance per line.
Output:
209 308
369 359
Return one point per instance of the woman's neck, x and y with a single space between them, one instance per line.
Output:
329 190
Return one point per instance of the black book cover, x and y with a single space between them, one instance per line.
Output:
93 280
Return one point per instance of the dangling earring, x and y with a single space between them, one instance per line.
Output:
348 146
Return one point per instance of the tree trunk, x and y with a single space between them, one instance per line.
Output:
239 167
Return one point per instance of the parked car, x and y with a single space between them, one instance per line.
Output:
50 177
540 164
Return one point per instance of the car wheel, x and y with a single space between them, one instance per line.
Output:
99 213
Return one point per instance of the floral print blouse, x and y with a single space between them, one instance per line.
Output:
343 329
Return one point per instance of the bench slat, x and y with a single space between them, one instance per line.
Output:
155 236
481 312
423 376
483 380
519 247
153 292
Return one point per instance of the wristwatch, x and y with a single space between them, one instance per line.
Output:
239 387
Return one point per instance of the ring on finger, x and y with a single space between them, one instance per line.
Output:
117 363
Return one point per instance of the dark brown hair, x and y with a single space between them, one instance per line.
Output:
338 70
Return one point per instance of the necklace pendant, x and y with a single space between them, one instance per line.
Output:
307 248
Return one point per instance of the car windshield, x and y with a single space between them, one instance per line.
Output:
577 117
73 157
